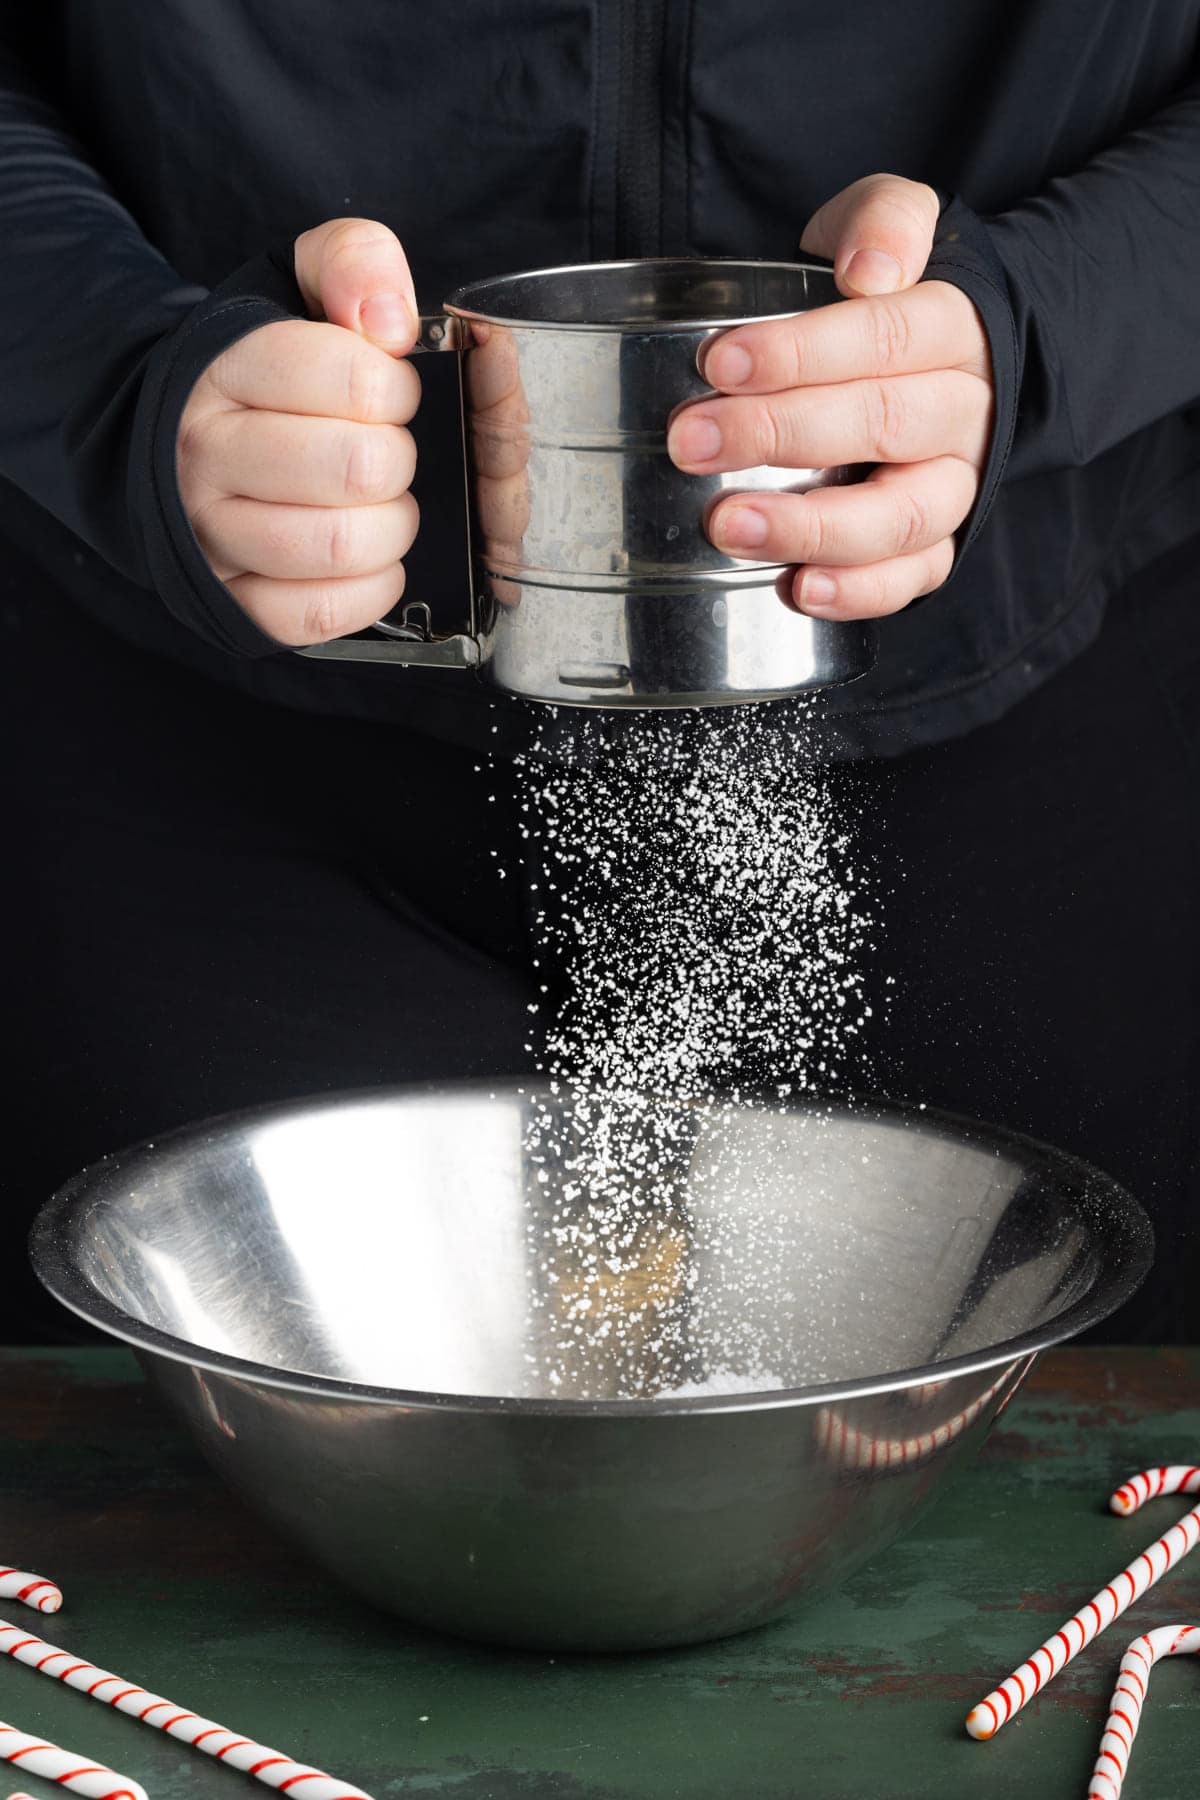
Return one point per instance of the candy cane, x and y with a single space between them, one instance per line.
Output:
202 1734
985 1720
37 1757
34 1590
1128 1699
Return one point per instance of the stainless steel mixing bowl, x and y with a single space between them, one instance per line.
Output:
362 1308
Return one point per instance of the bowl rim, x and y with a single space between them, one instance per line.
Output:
1126 1245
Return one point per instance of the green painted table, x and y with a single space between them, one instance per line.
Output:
167 1581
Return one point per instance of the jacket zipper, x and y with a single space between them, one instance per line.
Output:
638 199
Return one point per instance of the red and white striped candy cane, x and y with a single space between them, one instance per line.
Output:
202 1734
985 1720
1129 1697
90 1779
34 1590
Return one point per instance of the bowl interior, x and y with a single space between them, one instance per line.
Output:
439 1243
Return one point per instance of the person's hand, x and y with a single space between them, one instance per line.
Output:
293 461
901 379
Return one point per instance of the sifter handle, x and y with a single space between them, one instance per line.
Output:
412 642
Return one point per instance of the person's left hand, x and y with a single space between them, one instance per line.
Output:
901 378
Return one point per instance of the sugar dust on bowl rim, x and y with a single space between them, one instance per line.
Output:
373 1316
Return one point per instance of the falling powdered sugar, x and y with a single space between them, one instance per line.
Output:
702 935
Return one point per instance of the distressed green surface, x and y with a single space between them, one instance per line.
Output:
167 1581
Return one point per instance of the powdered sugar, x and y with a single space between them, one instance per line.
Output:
703 933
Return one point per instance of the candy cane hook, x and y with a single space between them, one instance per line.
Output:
1129 1697
290 1778
985 1720
34 1590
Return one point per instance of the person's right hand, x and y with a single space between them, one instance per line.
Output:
293 461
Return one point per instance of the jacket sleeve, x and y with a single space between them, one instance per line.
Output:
1090 297
100 343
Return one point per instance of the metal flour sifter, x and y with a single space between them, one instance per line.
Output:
591 580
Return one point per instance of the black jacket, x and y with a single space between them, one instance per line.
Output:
148 151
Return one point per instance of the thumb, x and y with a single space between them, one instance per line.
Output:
353 272
878 232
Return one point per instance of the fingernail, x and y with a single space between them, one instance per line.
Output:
387 319
873 272
694 438
727 366
816 591
739 527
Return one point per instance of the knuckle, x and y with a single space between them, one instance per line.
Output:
769 433
912 524
918 205
800 364
891 333
334 608
324 613
367 382
885 421
915 201
367 474
816 538
340 542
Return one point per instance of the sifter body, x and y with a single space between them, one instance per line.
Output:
592 582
